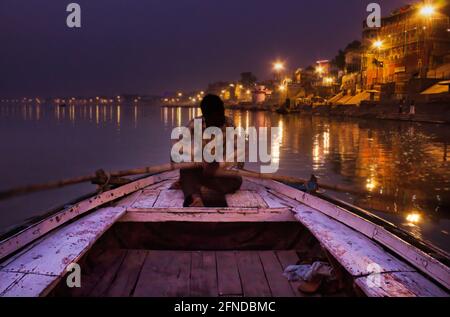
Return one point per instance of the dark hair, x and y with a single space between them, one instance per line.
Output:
213 110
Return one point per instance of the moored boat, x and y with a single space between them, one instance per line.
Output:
138 240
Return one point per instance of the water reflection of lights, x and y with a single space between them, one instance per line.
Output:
326 142
276 146
239 120
97 114
118 116
247 120
178 117
371 184
281 126
38 113
316 153
71 114
413 218
412 222
166 116
24 113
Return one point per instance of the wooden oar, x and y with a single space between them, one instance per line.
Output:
89 178
6 194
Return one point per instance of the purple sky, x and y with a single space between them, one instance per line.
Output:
153 46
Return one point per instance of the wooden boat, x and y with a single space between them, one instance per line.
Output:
137 240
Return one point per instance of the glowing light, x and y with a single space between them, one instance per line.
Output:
282 88
320 70
413 218
371 184
378 44
278 66
180 94
427 10
328 80
248 92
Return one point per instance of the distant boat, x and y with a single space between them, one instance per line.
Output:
138 240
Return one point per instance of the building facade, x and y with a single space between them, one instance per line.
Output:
411 41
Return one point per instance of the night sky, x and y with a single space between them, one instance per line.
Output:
154 46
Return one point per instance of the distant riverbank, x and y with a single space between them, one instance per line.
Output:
425 113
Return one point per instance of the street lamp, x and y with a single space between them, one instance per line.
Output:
427 10
278 67
378 44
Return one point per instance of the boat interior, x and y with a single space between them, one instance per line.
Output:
139 241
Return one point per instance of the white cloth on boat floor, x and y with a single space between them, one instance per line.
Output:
308 272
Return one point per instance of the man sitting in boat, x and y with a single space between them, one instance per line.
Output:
193 179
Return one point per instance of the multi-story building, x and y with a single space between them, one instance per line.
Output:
411 41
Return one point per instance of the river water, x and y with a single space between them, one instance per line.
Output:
407 163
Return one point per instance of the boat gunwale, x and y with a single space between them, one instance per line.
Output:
56 220
439 272
428 265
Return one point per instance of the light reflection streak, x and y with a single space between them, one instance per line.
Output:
118 116
178 114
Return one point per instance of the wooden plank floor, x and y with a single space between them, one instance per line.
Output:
141 273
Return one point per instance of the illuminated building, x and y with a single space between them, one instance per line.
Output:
411 41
